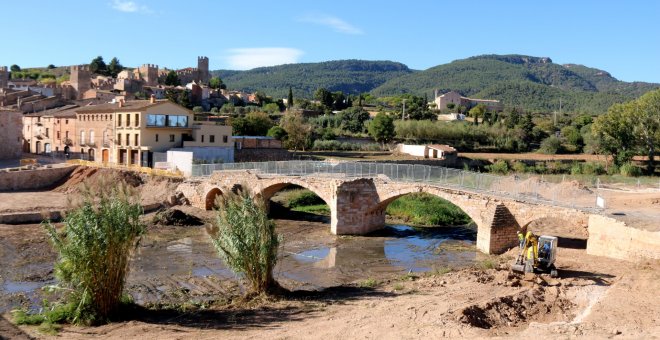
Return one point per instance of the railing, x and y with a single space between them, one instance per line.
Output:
565 194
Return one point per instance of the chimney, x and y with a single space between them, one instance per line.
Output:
152 99
121 103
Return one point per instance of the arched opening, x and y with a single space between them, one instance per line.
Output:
568 233
38 147
293 201
211 197
91 154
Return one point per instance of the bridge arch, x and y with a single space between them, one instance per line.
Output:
210 198
270 189
457 200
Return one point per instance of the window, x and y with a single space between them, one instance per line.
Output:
66 134
119 119
118 139
58 135
128 140
82 137
91 136
156 137
66 121
47 132
128 120
171 138
177 121
137 119
156 120
225 139
212 139
202 138
137 139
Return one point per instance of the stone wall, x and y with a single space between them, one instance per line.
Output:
613 238
33 179
11 139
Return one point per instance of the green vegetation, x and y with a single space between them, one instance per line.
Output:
333 145
172 79
348 76
369 283
303 200
253 124
246 241
530 83
426 209
94 250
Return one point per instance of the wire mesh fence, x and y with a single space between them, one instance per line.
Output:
568 194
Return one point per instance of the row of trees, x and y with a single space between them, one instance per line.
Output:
630 128
112 69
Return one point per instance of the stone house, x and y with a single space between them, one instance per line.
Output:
11 125
431 151
50 131
455 98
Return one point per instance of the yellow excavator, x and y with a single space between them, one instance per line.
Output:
537 255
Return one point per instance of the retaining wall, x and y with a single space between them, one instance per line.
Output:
33 179
613 238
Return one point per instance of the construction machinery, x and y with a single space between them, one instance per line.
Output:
537 255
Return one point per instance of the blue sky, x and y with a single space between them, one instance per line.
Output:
622 37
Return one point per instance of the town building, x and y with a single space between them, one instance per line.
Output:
431 151
134 132
50 131
455 98
11 125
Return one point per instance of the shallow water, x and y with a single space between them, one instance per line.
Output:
310 258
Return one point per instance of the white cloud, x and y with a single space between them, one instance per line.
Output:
249 58
129 7
337 24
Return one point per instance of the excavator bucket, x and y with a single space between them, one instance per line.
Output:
519 265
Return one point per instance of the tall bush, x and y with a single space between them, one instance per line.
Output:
245 239
94 249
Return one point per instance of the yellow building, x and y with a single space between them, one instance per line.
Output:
131 132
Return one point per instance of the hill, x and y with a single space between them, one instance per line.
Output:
532 83
348 76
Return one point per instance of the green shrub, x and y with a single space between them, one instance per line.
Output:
630 170
593 168
426 209
94 250
613 169
519 167
499 167
550 145
245 239
305 198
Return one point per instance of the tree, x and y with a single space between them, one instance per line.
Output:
550 145
298 131
14 68
381 128
216 83
51 66
246 240
615 132
277 132
573 137
324 97
198 109
451 106
647 127
476 112
527 126
172 79
513 118
114 67
98 66
289 99
353 119
254 124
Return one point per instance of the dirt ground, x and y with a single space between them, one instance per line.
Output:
594 297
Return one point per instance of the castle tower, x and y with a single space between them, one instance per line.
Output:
149 73
4 77
203 70
80 79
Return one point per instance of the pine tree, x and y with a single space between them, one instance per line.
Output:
289 99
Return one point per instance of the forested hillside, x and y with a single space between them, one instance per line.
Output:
348 76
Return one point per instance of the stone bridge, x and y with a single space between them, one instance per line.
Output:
358 205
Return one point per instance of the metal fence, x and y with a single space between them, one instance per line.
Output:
529 189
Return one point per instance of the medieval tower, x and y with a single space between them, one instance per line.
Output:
80 79
4 77
149 73
203 70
